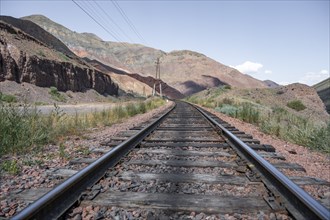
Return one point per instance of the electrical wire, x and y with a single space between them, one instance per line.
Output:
111 20
128 21
96 21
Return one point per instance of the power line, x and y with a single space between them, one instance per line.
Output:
128 21
101 18
89 14
110 19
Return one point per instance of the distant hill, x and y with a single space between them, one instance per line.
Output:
271 84
187 71
323 90
267 99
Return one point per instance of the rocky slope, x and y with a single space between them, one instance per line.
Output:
124 81
38 33
273 98
271 84
24 58
130 82
186 71
167 90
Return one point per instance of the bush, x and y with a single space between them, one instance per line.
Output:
296 129
320 139
296 105
7 98
21 127
228 110
248 113
142 107
56 95
131 109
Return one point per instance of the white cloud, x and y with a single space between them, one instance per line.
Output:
284 83
249 67
324 72
312 78
268 72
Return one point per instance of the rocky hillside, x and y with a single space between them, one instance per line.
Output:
272 98
135 83
323 90
39 33
24 58
271 84
186 71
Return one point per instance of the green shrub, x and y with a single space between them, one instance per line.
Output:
248 113
10 166
7 98
296 129
228 110
320 139
63 56
142 107
41 53
21 127
227 86
56 95
296 105
132 109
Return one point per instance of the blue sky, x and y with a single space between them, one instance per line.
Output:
285 41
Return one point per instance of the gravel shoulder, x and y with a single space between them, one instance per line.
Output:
316 164
36 166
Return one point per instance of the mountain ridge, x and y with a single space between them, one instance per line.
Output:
178 68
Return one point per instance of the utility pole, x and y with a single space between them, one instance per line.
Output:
157 79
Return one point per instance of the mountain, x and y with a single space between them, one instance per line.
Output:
187 71
323 90
38 33
136 83
271 84
41 59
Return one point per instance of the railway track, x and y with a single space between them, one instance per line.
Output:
187 164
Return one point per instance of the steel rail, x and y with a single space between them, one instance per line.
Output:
56 202
305 204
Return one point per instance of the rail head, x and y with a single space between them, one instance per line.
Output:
56 202
299 199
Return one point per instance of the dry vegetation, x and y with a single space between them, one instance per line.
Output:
23 129
293 113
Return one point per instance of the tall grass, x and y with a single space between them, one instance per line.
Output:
246 111
277 121
22 129
296 129
7 98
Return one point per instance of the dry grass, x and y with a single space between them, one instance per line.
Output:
279 121
23 129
